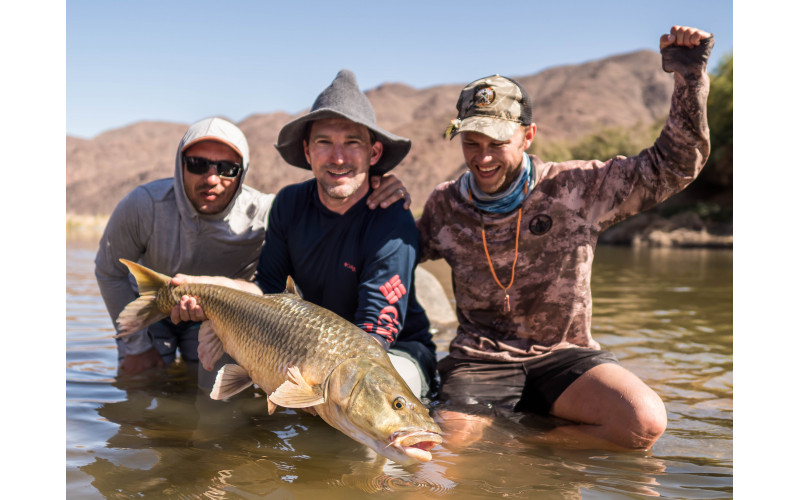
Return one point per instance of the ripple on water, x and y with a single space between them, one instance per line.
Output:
666 315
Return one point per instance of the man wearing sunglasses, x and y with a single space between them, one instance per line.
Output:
353 261
203 220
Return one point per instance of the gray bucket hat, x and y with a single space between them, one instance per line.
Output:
342 99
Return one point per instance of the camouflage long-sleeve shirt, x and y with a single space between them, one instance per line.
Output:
562 216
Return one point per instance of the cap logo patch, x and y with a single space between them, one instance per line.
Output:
484 97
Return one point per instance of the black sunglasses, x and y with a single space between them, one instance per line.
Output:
200 166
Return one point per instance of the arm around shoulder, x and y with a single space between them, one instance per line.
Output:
432 217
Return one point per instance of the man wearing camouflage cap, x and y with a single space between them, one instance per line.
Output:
519 235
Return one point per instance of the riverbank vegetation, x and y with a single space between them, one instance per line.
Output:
705 208
701 215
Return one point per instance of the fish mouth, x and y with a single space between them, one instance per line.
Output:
415 444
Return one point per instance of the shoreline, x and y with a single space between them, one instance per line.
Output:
684 230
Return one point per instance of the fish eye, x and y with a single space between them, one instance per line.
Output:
399 403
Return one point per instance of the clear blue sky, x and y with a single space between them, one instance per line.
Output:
180 61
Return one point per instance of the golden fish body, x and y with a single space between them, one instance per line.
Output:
302 356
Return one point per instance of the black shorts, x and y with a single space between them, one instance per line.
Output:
532 386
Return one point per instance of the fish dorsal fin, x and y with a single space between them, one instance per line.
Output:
291 287
142 312
296 392
209 346
231 380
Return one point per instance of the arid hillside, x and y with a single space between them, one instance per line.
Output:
569 102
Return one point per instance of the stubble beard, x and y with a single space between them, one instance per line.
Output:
209 207
339 191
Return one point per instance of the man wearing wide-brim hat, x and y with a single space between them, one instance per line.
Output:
341 254
357 262
343 100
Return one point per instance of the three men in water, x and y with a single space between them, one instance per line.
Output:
519 234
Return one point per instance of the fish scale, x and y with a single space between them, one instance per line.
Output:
301 355
283 331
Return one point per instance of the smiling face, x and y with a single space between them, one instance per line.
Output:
495 164
340 154
210 193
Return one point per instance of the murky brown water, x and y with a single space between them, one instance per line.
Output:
666 314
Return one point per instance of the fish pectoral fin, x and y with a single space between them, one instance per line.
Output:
209 347
296 392
231 380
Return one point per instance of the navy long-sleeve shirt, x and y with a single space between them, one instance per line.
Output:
359 264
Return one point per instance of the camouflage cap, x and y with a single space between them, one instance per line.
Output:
494 105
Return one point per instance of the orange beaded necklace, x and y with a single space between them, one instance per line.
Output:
507 307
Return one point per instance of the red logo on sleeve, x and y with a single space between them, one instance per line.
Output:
387 324
393 289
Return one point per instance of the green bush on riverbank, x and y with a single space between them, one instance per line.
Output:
710 197
706 206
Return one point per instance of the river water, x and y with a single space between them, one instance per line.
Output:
667 315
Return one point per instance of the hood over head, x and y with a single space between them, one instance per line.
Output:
210 129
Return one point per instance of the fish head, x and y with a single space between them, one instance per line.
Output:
369 401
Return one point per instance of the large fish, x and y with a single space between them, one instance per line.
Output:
302 356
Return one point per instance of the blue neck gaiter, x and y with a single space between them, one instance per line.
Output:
505 201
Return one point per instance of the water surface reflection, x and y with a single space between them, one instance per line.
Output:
666 314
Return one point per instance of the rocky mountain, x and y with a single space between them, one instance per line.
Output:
569 102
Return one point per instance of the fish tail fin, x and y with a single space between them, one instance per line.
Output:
148 281
143 311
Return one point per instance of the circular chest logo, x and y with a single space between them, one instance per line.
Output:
540 224
484 97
